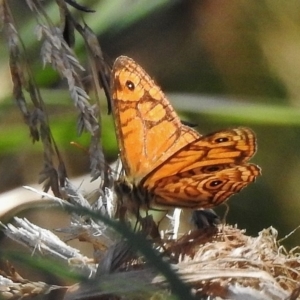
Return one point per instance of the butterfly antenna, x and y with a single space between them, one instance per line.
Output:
225 214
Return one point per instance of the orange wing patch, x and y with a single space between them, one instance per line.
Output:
208 171
166 162
142 114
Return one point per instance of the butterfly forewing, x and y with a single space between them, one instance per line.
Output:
148 129
238 144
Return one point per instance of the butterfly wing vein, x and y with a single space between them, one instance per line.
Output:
170 162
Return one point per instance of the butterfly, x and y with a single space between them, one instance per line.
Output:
167 163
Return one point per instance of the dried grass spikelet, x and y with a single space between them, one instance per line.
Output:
225 265
219 262
235 266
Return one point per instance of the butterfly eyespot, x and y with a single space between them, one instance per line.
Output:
211 169
221 140
215 183
130 85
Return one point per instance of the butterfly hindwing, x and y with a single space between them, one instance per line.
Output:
196 189
205 172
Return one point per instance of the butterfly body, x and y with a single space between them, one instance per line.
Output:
167 163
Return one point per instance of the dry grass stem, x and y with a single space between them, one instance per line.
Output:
221 262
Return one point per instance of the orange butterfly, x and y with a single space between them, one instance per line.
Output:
166 163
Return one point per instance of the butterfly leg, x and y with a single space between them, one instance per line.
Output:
205 218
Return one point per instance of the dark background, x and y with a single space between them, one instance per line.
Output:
240 60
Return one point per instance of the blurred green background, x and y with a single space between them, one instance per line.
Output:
222 63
